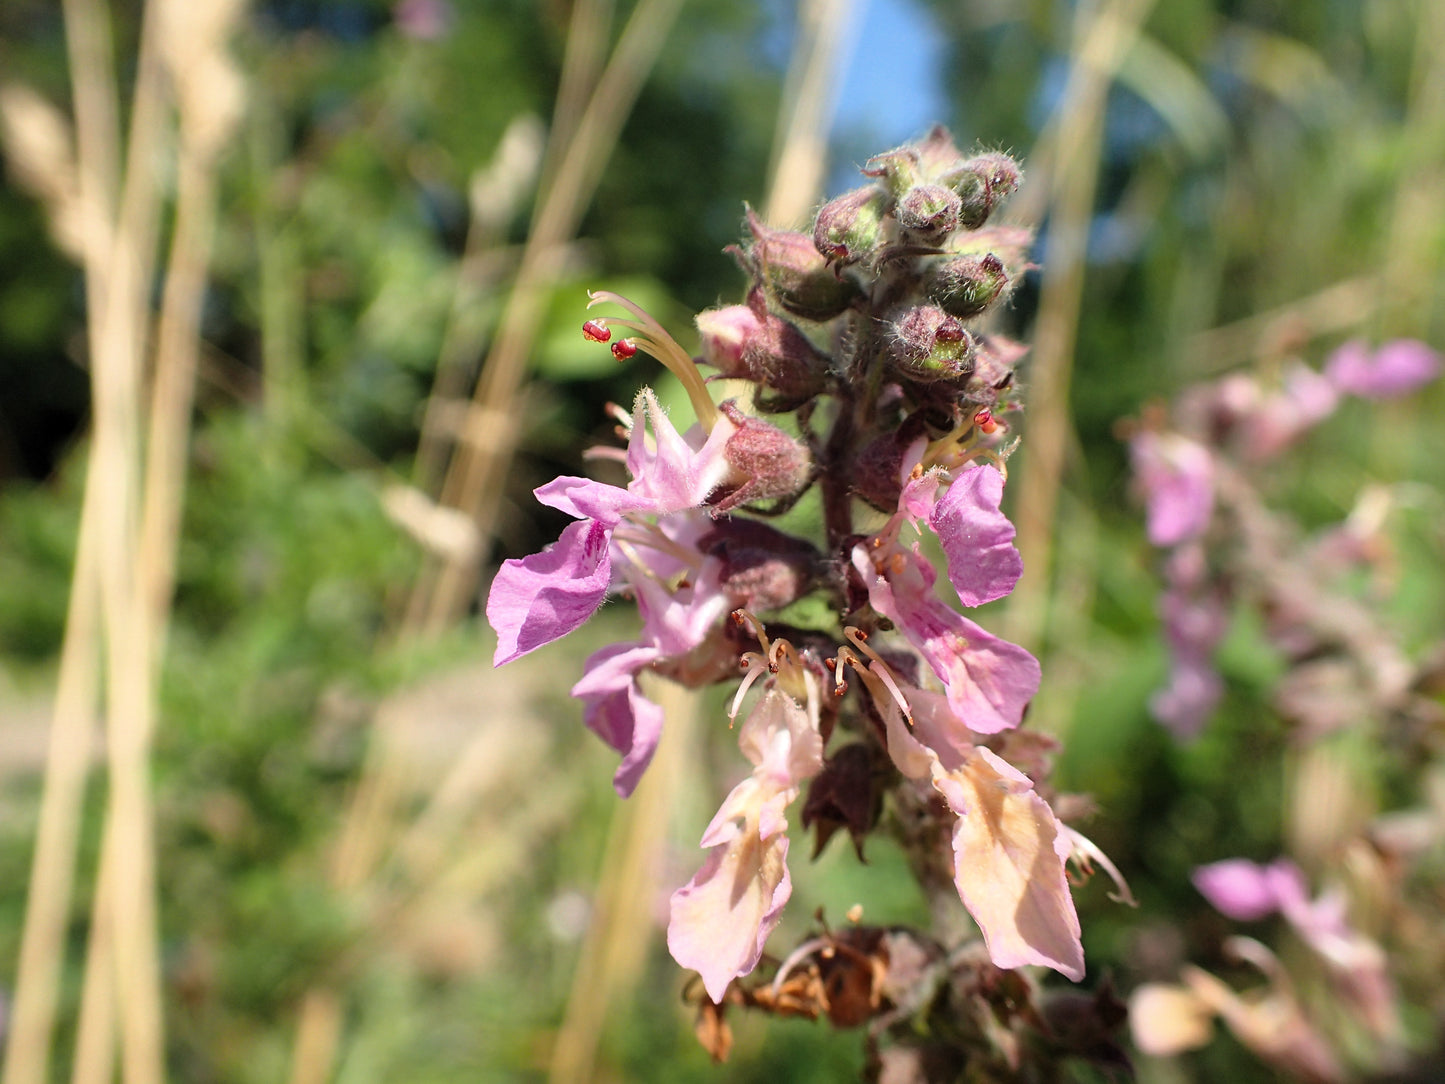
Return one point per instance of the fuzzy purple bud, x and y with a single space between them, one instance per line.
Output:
795 273
762 568
750 343
850 227
877 471
929 344
967 285
765 463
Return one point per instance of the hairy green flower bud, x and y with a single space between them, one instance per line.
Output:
982 183
898 169
929 213
928 344
795 273
966 285
850 227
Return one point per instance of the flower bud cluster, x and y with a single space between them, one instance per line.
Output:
873 383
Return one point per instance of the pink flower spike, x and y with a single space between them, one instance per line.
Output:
1240 889
1397 368
545 596
977 538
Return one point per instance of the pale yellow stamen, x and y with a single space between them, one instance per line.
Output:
652 338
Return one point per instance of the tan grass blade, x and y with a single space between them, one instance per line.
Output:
1101 44
474 479
826 33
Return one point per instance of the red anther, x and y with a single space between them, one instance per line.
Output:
623 349
831 664
738 616
860 634
596 331
840 688
984 420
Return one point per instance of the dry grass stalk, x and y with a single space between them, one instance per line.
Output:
614 949
474 478
825 36
93 190
1101 43
133 568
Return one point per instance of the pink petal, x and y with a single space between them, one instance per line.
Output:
1177 476
782 742
587 498
542 597
1009 857
989 681
1238 888
1166 1020
977 537
668 473
721 919
1397 368
617 712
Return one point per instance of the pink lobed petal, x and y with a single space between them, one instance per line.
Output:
1238 888
721 919
617 712
537 599
977 537
1009 856
989 681
1397 368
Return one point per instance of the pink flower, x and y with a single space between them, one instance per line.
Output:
674 621
1009 849
538 599
1186 703
721 919
1177 476
1247 892
1193 627
989 681
1397 368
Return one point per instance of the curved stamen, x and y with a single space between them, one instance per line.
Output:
879 669
756 666
648 536
794 958
652 338
1086 853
